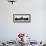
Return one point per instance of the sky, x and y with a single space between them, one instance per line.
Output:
36 28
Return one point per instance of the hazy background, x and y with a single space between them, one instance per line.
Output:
37 27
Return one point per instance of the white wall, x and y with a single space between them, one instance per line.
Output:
37 27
